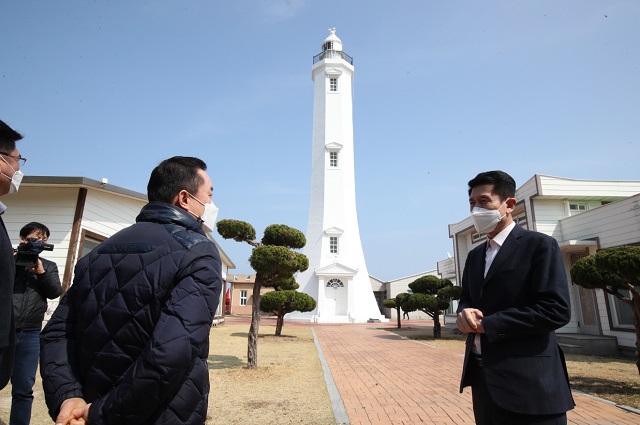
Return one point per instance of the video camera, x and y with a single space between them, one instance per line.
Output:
27 252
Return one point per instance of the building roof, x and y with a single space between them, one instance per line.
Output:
551 187
83 182
241 278
62 181
333 40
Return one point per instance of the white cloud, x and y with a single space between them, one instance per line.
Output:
282 10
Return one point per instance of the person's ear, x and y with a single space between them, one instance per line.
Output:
182 200
511 204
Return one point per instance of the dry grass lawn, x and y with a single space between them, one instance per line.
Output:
612 378
287 388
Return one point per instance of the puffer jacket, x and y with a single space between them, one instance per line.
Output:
30 293
131 336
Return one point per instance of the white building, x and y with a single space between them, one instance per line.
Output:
80 213
401 285
583 216
337 276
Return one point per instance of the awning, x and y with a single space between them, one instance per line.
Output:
576 245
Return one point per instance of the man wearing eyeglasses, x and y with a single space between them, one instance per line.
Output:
10 178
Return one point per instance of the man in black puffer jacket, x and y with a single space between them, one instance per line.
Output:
36 281
129 342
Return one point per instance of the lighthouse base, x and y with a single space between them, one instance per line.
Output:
317 318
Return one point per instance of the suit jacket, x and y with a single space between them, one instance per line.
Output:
524 298
7 326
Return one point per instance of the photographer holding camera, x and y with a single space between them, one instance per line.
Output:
36 281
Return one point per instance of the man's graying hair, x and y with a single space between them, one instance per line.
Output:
503 184
173 175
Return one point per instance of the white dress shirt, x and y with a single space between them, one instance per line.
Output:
493 246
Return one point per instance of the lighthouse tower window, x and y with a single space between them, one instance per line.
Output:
333 244
333 84
333 159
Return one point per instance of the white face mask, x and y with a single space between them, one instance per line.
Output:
209 217
16 179
484 220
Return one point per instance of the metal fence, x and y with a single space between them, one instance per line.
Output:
332 54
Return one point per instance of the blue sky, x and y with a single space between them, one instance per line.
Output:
442 91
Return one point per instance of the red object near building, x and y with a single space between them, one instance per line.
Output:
227 302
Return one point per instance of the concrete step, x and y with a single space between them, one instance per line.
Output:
594 345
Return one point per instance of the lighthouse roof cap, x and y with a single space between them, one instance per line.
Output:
332 42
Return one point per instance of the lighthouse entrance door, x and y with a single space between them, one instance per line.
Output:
336 298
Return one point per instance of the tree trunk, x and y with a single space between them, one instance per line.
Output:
437 329
399 323
280 321
252 347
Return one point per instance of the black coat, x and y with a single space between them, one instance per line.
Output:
524 298
7 328
132 334
30 294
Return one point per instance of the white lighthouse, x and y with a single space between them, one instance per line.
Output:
337 276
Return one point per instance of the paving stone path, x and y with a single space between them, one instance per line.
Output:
384 378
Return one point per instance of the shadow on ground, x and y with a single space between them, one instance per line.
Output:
604 387
388 336
223 362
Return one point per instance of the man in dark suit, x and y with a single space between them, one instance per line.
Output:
10 178
514 296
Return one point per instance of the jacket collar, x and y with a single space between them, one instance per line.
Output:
159 212
511 243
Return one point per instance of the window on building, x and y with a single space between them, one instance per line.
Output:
477 237
334 283
333 84
243 297
577 207
89 240
521 220
622 312
333 244
333 159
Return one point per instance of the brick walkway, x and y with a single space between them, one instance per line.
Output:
387 379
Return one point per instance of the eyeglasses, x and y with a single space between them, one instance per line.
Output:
20 159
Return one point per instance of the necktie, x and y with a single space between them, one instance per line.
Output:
492 250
